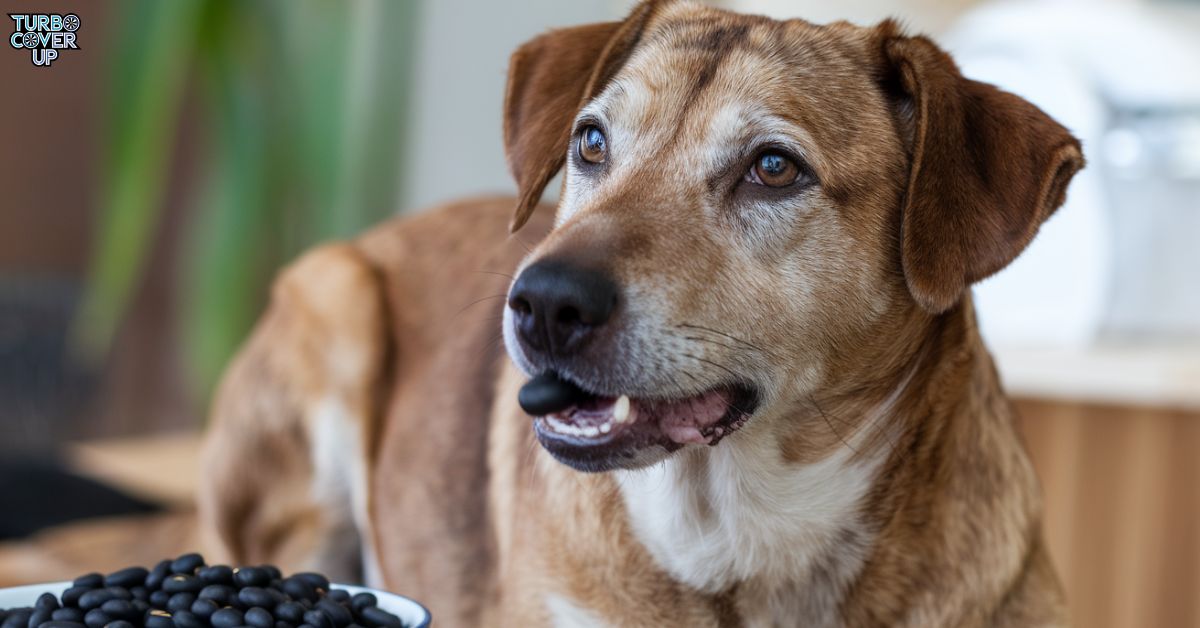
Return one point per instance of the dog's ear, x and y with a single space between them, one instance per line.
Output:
987 169
549 79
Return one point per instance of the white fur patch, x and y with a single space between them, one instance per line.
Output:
739 513
340 486
566 614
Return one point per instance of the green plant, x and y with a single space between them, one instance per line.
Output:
300 106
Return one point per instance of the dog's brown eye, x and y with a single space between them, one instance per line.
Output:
593 147
773 170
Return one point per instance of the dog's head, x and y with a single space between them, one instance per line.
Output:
750 208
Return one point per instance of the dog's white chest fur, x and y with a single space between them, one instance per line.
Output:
789 536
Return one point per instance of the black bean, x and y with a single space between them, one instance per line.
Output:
141 605
94 598
139 592
306 626
120 623
67 614
219 593
315 579
217 574
96 618
91 581
290 612
180 602
159 599
156 576
227 618
47 602
120 609
283 624
337 613
187 619
259 618
181 583
17 618
376 617
254 596
204 609
250 577
341 596
71 596
39 617
363 600
119 593
63 624
127 577
187 564
318 619
298 589
159 619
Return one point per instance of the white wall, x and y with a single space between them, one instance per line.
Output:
454 146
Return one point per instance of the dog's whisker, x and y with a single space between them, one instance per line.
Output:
714 342
812 400
729 336
736 377
478 301
491 345
492 272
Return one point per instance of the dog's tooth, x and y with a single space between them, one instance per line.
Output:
605 428
621 409
591 430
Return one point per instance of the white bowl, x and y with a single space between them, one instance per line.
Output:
409 611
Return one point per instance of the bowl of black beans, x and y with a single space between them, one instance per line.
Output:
185 592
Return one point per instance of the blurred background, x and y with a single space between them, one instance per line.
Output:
155 179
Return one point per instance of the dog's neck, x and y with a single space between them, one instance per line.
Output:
793 539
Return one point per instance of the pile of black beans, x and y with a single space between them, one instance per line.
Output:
186 593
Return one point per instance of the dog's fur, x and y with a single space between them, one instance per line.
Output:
370 422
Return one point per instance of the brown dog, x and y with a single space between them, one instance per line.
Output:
752 311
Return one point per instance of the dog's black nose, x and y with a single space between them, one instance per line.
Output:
558 305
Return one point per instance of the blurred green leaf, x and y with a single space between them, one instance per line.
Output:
303 107
153 48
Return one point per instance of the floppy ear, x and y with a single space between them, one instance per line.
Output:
549 79
987 169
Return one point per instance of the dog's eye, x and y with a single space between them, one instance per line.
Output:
593 147
773 170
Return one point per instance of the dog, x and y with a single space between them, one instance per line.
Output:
745 333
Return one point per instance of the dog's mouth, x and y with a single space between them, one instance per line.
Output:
593 432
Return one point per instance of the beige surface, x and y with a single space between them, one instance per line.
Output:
1122 491
161 468
1160 375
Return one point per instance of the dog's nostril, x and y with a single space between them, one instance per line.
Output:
520 305
568 316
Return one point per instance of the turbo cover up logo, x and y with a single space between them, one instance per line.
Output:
44 34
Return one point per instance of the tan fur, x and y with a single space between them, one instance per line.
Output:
846 304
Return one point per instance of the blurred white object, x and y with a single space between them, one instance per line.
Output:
1077 61
1153 161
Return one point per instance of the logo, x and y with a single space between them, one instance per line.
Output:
44 34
